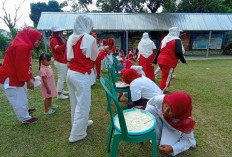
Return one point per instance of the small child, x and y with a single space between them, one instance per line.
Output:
174 126
48 86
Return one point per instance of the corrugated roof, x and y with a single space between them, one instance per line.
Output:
141 22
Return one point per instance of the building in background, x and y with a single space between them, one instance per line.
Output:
203 32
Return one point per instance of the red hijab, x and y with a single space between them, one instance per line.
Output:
105 42
181 104
111 41
26 37
129 75
94 35
56 35
128 63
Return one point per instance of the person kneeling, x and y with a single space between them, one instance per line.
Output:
142 88
174 127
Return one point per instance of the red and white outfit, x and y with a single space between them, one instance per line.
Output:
177 131
82 50
142 88
98 62
57 47
131 56
147 50
111 45
47 72
17 69
171 50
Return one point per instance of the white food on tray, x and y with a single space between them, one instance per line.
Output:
136 121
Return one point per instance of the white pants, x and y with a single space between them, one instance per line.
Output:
79 86
62 72
18 99
109 58
157 71
102 64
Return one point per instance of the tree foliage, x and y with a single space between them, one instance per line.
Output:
4 44
37 8
132 6
201 6
78 5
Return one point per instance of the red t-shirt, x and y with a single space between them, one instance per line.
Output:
167 55
80 63
17 66
58 51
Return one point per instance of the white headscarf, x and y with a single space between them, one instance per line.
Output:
82 26
146 46
173 34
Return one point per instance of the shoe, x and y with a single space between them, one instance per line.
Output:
90 122
31 110
65 92
32 120
78 138
50 111
62 96
53 107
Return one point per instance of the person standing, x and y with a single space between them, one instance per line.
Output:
147 50
82 51
58 47
17 69
48 86
112 46
171 50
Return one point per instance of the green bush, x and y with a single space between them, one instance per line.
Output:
4 43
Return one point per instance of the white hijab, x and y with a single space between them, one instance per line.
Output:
82 26
173 34
146 46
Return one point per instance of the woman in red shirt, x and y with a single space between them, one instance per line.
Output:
57 47
82 51
17 69
147 50
170 52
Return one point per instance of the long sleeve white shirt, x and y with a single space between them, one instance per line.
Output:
166 134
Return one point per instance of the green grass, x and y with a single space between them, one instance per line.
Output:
208 82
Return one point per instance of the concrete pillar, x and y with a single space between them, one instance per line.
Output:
207 53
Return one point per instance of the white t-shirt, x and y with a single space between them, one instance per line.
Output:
143 87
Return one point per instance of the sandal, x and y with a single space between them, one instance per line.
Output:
50 111
53 107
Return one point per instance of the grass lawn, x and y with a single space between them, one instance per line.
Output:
208 82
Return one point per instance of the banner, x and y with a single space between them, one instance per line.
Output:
200 41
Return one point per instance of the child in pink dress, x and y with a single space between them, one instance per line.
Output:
48 86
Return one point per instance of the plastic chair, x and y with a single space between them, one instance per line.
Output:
116 64
113 79
120 133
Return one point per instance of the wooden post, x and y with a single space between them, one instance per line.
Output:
207 54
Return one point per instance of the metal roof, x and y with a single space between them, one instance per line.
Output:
141 21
